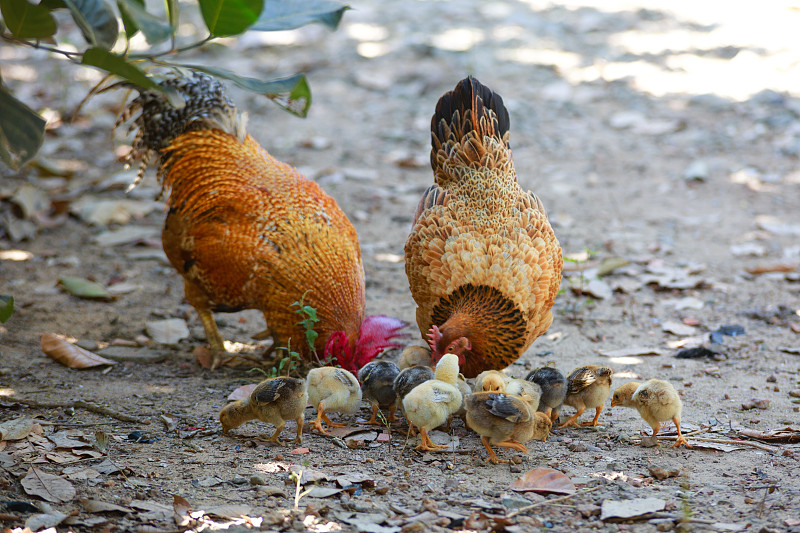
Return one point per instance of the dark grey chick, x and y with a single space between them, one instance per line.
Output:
407 379
554 390
377 387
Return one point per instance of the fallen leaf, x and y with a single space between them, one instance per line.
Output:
168 331
610 264
299 451
70 355
766 269
543 481
99 506
688 302
126 235
16 429
229 510
80 473
30 200
676 328
630 508
47 486
323 492
83 288
182 508
242 392
42 521
785 435
633 350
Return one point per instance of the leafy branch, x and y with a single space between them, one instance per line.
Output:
26 24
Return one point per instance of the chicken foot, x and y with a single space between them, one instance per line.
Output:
598 410
572 420
492 456
427 445
321 416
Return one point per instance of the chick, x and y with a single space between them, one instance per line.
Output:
587 387
656 400
377 379
415 355
406 381
520 387
461 413
554 389
429 404
273 401
332 389
506 420
490 381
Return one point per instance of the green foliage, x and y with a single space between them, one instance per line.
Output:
24 23
6 307
309 318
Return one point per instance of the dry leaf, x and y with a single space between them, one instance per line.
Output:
83 288
42 521
787 435
676 328
99 506
544 481
766 269
70 355
633 350
631 508
182 508
168 331
16 429
47 486
242 392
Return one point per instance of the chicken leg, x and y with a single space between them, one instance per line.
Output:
492 456
427 445
681 438
598 410
322 416
572 420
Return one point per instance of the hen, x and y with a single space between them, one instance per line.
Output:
247 231
482 261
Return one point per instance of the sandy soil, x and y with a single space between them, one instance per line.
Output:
666 138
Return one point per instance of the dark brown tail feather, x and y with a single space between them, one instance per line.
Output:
461 111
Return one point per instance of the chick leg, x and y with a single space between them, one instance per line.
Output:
598 410
426 444
318 422
392 409
492 456
299 438
681 438
572 419
554 415
513 444
276 437
373 420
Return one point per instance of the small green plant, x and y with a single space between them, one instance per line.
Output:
296 477
309 318
6 307
385 422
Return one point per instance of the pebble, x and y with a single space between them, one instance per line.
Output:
239 480
255 479
577 446
649 441
124 354
756 403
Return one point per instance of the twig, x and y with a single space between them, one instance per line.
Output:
79 404
549 502
720 441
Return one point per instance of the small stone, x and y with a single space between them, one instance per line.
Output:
663 473
649 441
577 446
795 393
756 403
666 525
772 379
238 480
255 479
696 171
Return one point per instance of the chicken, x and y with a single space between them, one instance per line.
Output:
554 389
431 403
588 387
415 355
377 380
465 390
521 387
246 231
656 400
406 381
506 420
482 261
332 390
490 381
273 401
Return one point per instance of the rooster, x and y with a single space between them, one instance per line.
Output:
246 231
482 261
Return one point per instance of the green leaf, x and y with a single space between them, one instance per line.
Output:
6 307
27 21
21 131
172 12
83 288
154 29
311 312
127 22
97 21
291 14
230 17
292 93
311 337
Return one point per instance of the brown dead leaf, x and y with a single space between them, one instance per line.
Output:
299 451
766 269
203 356
242 392
47 486
544 481
70 355
795 326
785 435
181 508
99 506
16 429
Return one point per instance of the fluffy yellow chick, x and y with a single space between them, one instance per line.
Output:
521 387
465 391
273 401
656 400
406 381
429 404
377 379
415 355
506 420
490 381
588 387
332 390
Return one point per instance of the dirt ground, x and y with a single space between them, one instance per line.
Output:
665 138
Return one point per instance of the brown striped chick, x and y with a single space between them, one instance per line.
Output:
332 389
377 378
406 381
273 401
490 381
506 420
656 401
429 404
588 387
415 355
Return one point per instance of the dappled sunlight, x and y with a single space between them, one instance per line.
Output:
15 255
7 392
458 39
